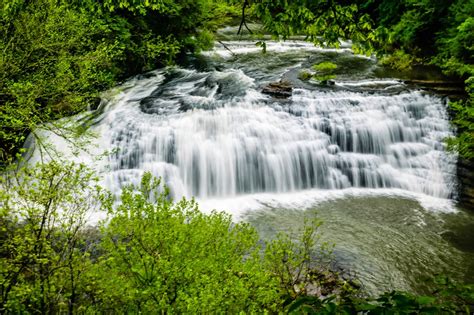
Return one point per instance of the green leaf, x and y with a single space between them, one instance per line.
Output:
424 300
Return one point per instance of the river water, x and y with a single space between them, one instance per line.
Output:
366 154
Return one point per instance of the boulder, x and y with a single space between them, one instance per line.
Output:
281 89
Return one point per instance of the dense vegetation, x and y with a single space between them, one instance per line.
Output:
153 255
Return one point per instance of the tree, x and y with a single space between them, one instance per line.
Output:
42 254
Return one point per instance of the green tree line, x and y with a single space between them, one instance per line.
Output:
155 255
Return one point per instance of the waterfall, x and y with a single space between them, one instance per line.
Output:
213 134
367 154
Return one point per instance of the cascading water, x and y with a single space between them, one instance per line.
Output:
213 134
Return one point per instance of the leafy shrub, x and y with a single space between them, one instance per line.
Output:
399 60
161 256
43 256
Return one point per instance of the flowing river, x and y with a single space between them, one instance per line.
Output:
366 155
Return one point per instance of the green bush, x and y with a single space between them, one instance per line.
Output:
163 256
399 60
43 255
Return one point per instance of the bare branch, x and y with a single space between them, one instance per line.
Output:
242 21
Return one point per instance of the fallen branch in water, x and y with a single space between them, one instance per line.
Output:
225 46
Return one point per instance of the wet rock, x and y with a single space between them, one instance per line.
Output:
281 89
465 171
439 83
441 87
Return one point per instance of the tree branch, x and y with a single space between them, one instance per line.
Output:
242 21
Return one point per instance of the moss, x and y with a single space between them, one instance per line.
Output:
324 71
305 75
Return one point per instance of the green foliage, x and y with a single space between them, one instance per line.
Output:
42 255
408 25
429 31
325 66
49 67
162 256
456 41
464 121
400 60
448 298
323 72
324 22
151 254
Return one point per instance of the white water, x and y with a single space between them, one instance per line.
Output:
213 135
248 46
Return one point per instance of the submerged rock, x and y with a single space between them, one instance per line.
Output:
281 89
